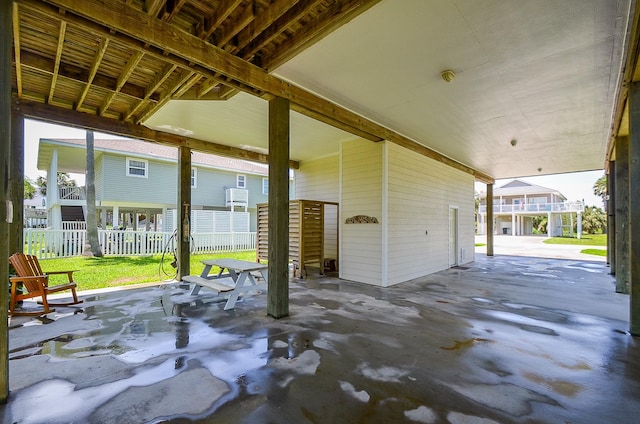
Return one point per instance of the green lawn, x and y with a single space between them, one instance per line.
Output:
113 271
597 252
586 240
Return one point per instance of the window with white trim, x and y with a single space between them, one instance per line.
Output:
137 168
265 186
241 181
194 178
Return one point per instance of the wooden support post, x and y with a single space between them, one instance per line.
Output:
489 219
634 207
16 183
6 38
622 215
184 211
278 291
611 217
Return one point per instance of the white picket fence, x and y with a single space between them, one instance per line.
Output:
46 243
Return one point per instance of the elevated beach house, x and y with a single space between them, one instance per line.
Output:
136 186
517 203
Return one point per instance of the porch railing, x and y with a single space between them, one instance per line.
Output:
47 243
71 193
536 207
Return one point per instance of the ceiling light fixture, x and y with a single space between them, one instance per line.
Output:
448 75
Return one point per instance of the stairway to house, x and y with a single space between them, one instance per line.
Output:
72 213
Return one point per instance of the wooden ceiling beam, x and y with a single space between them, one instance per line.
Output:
56 63
172 7
263 21
16 48
185 79
71 118
211 24
332 18
122 79
231 30
78 75
153 7
207 57
201 55
159 79
102 48
300 9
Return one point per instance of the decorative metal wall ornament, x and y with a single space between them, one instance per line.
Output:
362 219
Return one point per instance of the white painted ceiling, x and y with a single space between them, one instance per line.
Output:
541 72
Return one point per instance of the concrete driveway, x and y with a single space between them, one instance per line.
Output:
534 246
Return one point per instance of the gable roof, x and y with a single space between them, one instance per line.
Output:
134 147
519 187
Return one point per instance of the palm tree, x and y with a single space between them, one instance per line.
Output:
600 188
92 247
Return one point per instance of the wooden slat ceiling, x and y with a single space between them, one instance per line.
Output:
65 60
122 60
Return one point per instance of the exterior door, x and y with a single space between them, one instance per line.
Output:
453 236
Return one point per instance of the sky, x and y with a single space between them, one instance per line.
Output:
574 186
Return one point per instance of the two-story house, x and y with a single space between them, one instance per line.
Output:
136 184
517 203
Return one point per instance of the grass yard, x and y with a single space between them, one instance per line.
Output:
586 240
114 271
596 252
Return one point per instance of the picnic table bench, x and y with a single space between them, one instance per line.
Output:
238 279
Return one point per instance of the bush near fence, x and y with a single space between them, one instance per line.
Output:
46 243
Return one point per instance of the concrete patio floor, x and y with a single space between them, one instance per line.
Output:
505 339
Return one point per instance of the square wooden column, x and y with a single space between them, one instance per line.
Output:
611 218
278 231
6 38
489 219
183 235
634 207
16 182
622 215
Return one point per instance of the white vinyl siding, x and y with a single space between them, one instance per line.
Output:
320 180
361 244
137 168
420 191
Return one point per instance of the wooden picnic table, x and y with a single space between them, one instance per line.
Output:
238 278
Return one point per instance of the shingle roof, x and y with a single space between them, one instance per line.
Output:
519 187
130 146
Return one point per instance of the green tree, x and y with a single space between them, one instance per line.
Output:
63 180
594 220
29 189
540 224
600 188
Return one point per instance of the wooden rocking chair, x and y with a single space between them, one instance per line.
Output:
36 284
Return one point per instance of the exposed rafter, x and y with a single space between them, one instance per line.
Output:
174 49
122 79
16 46
300 9
102 48
56 65
183 82
336 15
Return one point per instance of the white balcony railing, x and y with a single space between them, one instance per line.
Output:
575 206
236 197
71 193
